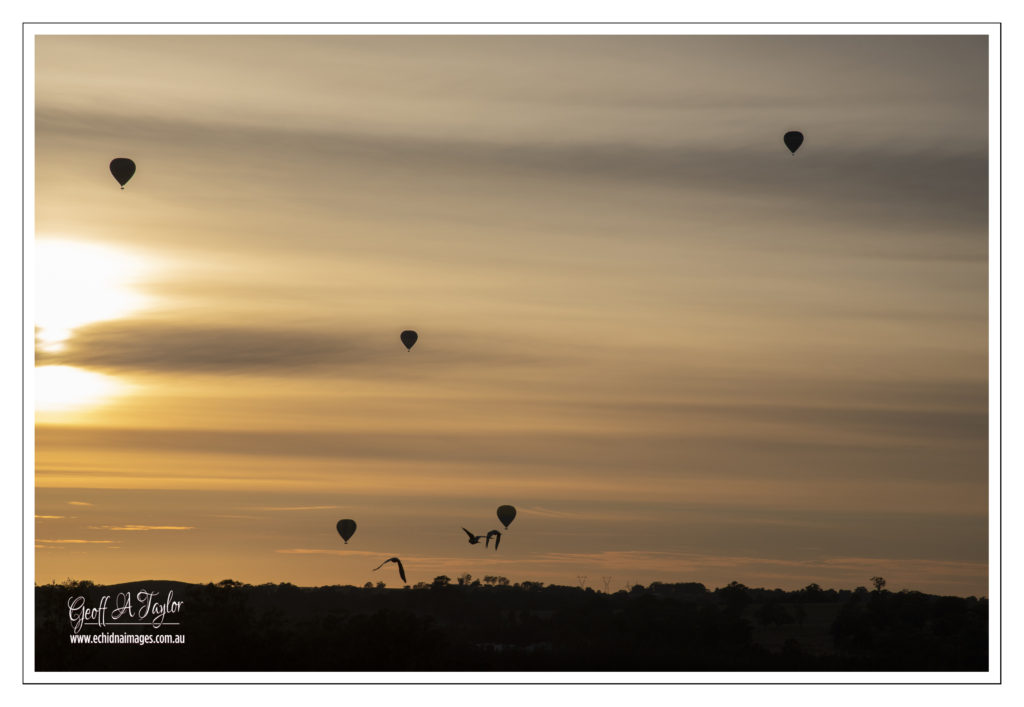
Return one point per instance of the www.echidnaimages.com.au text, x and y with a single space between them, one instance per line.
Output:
112 638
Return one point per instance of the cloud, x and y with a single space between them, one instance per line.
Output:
651 559
425 563
293 508
851 570
932 182
141 527
612 515
314 551
48 517
79 503
891 422
159 346
73 542
168 347
926 174
802 450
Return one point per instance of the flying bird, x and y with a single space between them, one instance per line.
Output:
473 539
401 570
496 534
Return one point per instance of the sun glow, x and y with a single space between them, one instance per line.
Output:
78 283
61 389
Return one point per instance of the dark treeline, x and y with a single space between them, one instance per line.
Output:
497 626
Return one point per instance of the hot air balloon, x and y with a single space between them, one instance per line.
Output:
408 338
122 168
346 529
506 514
793 139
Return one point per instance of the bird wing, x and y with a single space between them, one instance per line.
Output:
497 539
468 533
401 570
381 565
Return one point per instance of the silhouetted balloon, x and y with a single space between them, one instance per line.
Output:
793 139
409 338
506 514
122 168
346 529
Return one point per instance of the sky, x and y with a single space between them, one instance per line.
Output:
681 352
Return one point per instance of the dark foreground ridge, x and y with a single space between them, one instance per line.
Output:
494 626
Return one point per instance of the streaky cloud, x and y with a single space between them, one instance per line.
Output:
141 527
933 180
155 346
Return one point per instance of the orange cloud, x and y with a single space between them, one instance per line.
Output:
141 527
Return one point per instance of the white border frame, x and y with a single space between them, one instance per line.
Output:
991 30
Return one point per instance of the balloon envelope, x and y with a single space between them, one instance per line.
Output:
122 168
409 338
506 514
793 139
346 529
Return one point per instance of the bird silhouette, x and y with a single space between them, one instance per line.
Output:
473 539
496 534
401 570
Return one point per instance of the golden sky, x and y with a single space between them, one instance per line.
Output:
682 353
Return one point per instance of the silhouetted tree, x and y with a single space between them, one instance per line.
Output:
73 585
442 580
537 627
879 583
812 593
736 595
773 613
464 579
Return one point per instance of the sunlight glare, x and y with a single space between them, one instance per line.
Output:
65 388
78 283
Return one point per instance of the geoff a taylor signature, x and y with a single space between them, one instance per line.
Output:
148 610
